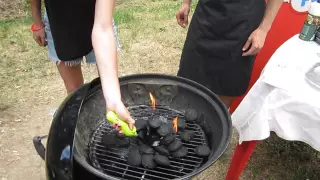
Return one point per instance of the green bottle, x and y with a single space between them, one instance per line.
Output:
312 23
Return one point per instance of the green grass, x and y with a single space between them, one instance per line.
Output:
276 159
13 9
146 17
21 60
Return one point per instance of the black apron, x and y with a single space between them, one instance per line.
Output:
71 23
212 53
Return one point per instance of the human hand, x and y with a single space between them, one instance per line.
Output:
121 111
182 15
40 37
254 43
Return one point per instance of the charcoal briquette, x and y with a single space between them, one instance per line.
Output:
168 139
140 124
164 130
134 157
181 124
145 149
202 150
163 119
120 136
154 122
112 140
170 124
162 150
162 160
186 136
175 145
181 152
123 142
148 162
191 114
140 142
142 134
152 139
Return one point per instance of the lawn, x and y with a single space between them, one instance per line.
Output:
151 41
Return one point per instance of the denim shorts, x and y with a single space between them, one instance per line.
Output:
90 58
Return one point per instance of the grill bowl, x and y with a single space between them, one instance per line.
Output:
171 92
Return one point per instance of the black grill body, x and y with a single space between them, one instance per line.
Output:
74 149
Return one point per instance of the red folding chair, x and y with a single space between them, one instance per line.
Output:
287 23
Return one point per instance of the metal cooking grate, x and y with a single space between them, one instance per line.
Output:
113 161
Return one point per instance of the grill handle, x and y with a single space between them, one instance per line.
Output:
41 150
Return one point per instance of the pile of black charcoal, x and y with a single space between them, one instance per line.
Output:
158 141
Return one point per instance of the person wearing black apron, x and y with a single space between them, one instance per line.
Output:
223 38
76 28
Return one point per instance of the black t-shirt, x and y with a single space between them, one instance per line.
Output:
71 23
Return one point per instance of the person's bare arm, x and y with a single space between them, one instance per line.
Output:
187 2
104 45
270 14
36 12
39 36
105 48
183 13
257 38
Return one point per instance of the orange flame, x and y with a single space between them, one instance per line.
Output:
175 124
153 101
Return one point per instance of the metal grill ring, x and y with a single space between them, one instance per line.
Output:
113 161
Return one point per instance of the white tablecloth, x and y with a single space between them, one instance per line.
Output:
282 100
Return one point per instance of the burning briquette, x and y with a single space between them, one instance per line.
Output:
181 124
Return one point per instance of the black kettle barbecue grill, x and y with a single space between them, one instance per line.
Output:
74 149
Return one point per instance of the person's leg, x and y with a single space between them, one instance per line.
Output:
227 100
71 75
70 71
91 59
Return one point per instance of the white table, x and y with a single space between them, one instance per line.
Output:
282 100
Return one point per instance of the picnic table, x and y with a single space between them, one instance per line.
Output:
282 100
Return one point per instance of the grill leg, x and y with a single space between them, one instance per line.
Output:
239 160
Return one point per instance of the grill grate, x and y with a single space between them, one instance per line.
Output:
112 161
